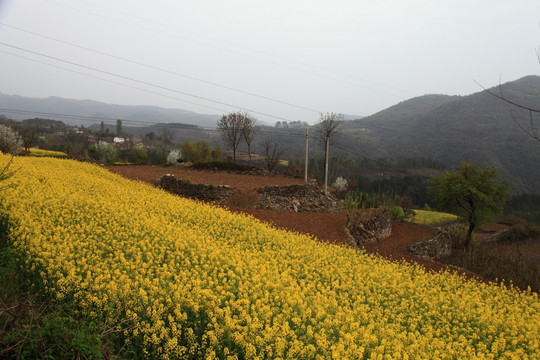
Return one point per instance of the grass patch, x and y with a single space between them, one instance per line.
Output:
425 217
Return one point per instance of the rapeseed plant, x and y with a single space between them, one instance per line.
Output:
196 281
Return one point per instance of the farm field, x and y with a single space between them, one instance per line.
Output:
182 279
328 227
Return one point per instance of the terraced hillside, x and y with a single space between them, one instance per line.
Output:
182 279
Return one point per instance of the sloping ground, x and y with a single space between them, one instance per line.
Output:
177 279
328 227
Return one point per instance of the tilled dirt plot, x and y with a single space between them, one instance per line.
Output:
148 173
328 227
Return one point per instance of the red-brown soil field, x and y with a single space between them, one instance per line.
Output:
328 227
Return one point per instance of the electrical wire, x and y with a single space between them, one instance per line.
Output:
224 49
343 147
99 119
112 82
141 81
170 72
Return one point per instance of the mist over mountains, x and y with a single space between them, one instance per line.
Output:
474 128
133 115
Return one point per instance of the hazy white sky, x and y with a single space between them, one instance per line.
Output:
280 59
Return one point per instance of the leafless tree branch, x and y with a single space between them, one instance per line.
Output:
248 132
230 127
272 153
505 99
530 131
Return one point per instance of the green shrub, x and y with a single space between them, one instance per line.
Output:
141 155
359 200
396 212
199 152
106 152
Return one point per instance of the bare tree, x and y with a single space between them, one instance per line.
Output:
230 127
248 132
328 127
530 129
339 162
28 135
272 153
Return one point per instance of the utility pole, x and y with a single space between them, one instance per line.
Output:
326 165
307 158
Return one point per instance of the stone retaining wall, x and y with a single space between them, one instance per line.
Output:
298 198
210 193
438 247
369 226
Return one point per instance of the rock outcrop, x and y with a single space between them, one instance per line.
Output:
433 249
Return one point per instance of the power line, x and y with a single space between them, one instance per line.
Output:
235 52
259 130
344 147
96 118
162 70
112 82
141 82
136 122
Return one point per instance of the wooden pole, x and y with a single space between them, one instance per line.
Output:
326 166
307 158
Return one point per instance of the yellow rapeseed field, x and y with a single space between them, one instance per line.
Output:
188 280
52 153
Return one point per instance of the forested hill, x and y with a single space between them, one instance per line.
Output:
476 128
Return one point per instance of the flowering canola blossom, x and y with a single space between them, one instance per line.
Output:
196 281
41 152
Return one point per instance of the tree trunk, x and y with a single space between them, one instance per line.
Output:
469 234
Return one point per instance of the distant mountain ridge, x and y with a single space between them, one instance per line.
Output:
408 109
94 109
475 128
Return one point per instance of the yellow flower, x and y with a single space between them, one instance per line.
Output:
197 281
